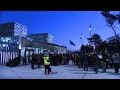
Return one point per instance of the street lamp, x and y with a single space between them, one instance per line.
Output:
81 38
90 35
90 30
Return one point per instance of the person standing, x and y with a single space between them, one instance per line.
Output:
116 62
32 61
86 62
103 63
70 59
96 63
46 63
100 58
39 60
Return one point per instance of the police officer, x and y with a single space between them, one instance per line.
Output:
46 63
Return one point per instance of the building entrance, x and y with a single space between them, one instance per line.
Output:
28 54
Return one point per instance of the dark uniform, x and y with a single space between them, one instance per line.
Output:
32 61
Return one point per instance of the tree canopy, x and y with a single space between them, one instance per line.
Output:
111 19
95 39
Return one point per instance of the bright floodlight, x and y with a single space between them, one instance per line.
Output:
19 46
89 28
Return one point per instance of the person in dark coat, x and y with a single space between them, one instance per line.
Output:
85 62
96 63
81 61
103 63
24 61
54 59
39 60
116 61
32 61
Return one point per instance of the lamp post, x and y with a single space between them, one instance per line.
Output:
90 30
90 36
81 39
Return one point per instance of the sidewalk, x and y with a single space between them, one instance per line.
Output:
58 72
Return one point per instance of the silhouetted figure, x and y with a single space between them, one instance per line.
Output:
24 61
103 63
96 63
39 60
32 61
85 62
116 62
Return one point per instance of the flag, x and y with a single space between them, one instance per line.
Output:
81 36
72 43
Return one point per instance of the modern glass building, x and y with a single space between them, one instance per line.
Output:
42 37
29 46
14 41
13 29
9 48
10 40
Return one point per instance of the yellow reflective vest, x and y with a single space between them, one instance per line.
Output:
46 61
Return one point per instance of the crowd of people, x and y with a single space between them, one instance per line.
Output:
88 61
95 61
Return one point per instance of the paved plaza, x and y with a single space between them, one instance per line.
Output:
58 72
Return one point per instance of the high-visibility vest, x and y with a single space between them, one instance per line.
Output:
46 61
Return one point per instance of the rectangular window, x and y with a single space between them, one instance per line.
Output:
5 45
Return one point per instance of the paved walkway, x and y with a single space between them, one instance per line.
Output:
58 72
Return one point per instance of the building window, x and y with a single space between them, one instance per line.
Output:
8 39
5 45
2 39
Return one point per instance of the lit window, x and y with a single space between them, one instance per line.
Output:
3 45
3 39
8 39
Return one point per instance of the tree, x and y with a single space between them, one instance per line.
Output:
111 19
113 45
82 49
95 39
86 49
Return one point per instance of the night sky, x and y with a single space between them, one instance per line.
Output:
63 25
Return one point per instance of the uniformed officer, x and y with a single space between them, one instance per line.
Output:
46 63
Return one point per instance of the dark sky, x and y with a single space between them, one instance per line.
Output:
63 25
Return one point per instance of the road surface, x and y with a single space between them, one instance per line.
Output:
58 72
